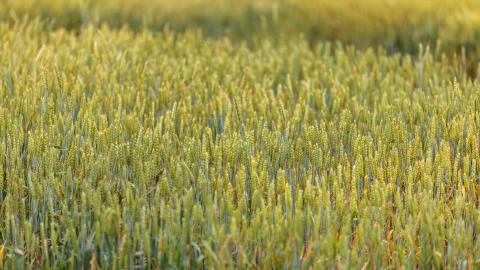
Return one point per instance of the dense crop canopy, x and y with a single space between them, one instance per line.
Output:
123 149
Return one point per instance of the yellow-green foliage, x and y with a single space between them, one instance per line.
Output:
124 149
395 24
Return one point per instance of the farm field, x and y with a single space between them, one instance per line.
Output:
239 135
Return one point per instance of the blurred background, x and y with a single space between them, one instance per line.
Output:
451 26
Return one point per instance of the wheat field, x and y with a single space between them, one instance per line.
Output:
236 137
